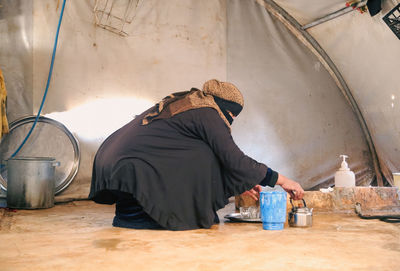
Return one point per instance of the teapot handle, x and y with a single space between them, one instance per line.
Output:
304 202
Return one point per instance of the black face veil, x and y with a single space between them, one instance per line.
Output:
226 106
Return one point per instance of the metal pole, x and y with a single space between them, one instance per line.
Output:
334 15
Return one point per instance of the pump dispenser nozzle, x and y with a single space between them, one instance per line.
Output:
344 165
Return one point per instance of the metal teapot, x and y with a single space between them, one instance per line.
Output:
300 216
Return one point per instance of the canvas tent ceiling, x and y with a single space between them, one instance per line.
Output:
295 120
365 51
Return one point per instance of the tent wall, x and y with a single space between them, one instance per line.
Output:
295 118
303 121
102 80
16 56
366 52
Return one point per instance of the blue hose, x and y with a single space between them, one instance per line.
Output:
47 85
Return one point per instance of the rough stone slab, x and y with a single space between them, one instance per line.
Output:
342 199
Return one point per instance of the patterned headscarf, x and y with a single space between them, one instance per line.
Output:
223 90
221 96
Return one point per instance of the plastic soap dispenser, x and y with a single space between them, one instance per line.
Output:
344 177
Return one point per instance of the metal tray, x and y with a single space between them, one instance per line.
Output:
237 217
49 138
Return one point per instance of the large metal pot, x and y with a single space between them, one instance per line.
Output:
30 182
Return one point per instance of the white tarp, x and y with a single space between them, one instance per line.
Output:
295 118
102 80
367 53
16 55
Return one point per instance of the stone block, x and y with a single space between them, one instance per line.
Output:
341 199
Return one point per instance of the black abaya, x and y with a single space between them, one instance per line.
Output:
181 170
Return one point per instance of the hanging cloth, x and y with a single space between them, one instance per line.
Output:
3 99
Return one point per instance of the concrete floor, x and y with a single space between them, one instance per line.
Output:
79 236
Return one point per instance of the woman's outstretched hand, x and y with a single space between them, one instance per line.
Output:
254 193
294 189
